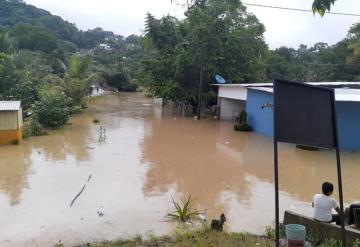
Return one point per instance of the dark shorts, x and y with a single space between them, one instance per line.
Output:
354 216
335 218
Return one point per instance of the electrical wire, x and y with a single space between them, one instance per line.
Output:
299 10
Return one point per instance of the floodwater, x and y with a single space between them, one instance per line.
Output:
135 160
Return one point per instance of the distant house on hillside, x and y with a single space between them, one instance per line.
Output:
85 52
105 47
11 122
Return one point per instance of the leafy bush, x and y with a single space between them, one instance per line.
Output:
120 80
53 108
332 243
243 117
75 109
15 142
245 127
33 128
242 124
356 243
270 232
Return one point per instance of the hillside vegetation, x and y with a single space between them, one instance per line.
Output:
174 59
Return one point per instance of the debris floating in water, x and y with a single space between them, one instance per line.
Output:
81 191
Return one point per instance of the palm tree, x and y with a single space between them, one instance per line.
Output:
354 56
76 81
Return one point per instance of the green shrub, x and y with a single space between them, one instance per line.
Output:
76 109
15 142
356 243
53 108
237 127
245 127
270 232
242 124
331 243
243 117
33 129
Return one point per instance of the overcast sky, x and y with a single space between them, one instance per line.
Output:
283 28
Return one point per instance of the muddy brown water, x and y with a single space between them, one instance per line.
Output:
142 159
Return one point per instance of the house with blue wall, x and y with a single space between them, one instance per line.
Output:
254 98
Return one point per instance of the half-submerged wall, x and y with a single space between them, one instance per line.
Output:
348 118
261 119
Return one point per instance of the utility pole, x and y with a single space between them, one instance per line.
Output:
200 91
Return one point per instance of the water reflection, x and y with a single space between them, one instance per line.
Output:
69 142
232 172
184 153
14 167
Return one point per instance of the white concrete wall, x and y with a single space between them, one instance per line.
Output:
230 108
233 92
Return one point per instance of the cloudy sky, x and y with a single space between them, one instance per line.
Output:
287 28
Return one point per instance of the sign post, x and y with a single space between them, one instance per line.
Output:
306 115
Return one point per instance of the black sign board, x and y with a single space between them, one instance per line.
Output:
304 114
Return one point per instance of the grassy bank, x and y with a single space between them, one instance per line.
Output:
200 238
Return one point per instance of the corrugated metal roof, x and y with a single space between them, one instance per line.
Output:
341 94
10 105
269 84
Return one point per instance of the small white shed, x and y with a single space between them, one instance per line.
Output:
11 122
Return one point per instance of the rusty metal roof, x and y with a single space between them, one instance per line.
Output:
10 105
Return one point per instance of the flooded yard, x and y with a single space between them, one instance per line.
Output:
137 158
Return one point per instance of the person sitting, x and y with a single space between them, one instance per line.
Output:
323 205
354 215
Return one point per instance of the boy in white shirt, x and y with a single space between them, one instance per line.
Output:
323 205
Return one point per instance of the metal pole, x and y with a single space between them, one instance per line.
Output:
341 200
338 165
200 90
276 176
276 171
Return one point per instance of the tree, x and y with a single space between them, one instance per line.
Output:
34 38
52 110
354 44
182 57
8 74
15 84
321 6
6 43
